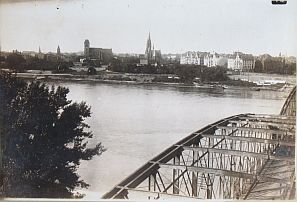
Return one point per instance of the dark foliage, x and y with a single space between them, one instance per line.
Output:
213 74
92 71
2 58
15 61
166 79
43 139
119 66
274 66
258 66
186 73
63 67
94 63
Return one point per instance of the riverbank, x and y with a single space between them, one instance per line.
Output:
150 79
256 77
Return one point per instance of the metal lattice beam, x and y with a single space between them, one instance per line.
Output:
266 124
239 153
251 139
221 172
256 130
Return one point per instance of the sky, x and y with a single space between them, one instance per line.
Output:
176 26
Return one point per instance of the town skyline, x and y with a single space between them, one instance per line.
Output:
33 24
81 52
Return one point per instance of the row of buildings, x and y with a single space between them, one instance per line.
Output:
57 56
201 58
236 61
103 56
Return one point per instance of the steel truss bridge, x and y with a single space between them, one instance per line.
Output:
246 156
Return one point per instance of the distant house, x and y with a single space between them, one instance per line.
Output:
29 54
190 57
51 57
143 59
235 63
241 62
211 60
202 58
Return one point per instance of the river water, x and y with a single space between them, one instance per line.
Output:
137 122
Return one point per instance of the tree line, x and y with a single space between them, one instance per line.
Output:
18 63
274 67
186 73
131 65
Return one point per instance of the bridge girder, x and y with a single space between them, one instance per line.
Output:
244 156
219 156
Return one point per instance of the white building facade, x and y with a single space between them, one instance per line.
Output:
200 58
241 63
235 63
211 60
190 58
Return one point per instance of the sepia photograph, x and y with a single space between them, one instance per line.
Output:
147 100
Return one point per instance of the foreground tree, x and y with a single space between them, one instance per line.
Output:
44 138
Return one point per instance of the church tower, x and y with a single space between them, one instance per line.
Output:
87 48
148 49
58 51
